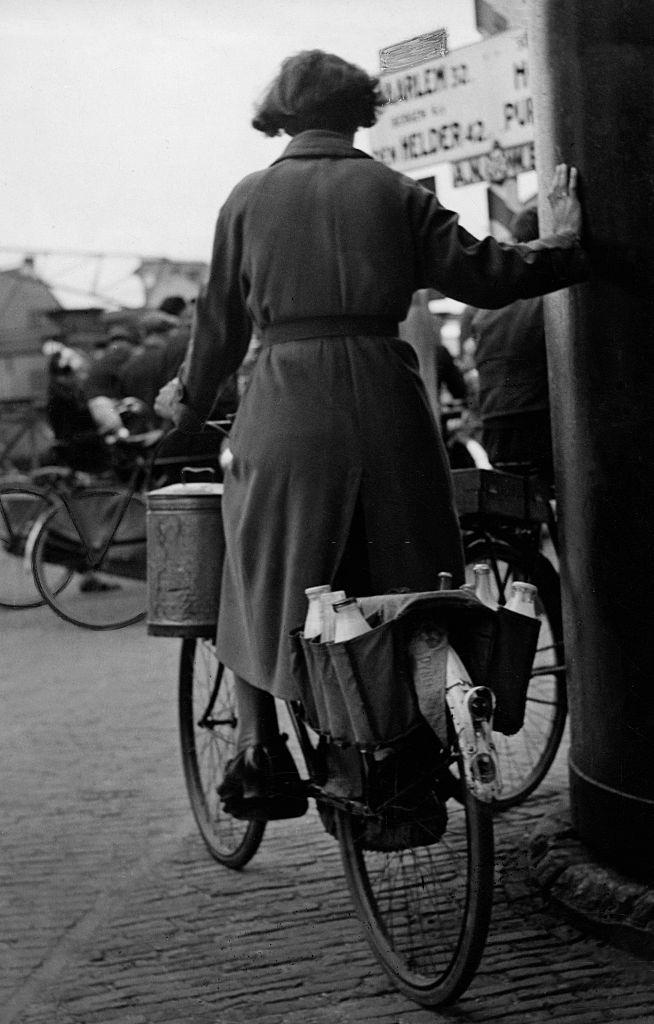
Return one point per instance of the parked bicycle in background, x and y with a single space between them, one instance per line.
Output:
509 523
76 541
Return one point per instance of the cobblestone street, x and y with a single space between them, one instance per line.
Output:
114 913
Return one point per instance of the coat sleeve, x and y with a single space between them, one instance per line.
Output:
486 273
221 327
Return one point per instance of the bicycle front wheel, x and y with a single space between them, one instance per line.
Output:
21 506
99 535
526 757
207 725
426 910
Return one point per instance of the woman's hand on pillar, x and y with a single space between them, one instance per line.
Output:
566 208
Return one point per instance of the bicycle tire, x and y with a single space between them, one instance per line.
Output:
207 743
88 533
426 910
21 506
526 757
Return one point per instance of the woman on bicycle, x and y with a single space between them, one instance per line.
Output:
339 474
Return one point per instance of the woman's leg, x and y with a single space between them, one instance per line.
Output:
257 716
261 782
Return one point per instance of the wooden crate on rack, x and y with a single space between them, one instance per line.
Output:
488 492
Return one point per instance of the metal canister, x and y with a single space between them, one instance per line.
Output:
185 551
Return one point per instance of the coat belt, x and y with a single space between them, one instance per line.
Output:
328 327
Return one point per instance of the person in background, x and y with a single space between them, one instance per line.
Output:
77 442
437 367
511 361
174 305
339 475
159 363
444 382
156 360
449 374
467 357
104 384
135 363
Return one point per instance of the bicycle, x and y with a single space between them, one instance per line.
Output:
97 535
423 897
61 528
26 497
503 517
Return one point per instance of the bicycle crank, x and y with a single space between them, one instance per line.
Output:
471 708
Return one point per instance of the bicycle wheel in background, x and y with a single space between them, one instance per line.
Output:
426 910
207 725
526 757
99 534
21 506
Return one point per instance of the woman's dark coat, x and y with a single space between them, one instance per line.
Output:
335 428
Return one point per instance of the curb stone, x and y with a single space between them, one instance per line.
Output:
617 908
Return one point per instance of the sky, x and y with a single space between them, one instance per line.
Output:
127 122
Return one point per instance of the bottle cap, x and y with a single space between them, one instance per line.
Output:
324 588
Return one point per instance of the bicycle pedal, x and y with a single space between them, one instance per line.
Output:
481 704
483 769
471 708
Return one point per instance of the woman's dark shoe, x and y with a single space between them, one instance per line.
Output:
262 783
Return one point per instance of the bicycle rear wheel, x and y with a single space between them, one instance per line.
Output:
21 505
426 910
98 534
526 757
207 725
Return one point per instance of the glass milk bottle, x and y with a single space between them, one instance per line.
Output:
350 621
327 602
523 599
313 620
483 590
445 581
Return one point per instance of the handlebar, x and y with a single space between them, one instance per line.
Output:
146 440
222 426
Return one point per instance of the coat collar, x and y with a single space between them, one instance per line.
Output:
320 143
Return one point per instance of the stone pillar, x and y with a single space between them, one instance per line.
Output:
593 82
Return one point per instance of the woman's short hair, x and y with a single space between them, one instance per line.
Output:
318 90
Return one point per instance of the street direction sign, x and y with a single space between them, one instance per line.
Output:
472 109
414 51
